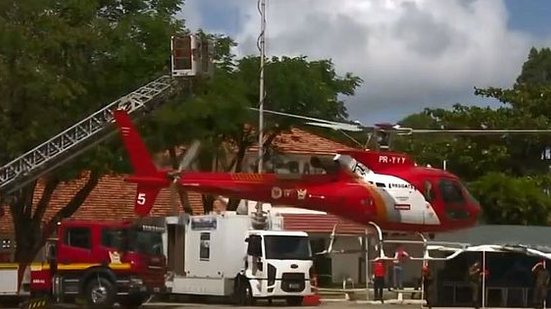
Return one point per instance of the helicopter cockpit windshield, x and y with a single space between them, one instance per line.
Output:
349 163
454 198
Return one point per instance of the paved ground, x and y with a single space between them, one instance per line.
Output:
325 305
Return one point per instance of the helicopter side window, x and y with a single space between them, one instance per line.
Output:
451 192
380 185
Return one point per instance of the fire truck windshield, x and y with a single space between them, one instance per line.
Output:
146 242
287 247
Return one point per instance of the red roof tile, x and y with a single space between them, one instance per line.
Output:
113 198
298 141
321 223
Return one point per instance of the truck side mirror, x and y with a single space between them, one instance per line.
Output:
255 246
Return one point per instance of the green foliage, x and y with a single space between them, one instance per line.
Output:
298 86
473 155
61 61
537 69
508 200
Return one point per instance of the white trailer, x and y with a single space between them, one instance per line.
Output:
221 255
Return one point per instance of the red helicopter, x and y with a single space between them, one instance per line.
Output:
368 187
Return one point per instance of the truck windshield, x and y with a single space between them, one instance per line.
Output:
146 242
287 247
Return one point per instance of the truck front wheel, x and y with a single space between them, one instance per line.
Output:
100 293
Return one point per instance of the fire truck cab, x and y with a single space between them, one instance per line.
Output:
103 263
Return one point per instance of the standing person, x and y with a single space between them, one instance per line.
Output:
379 279
427 285
400 256
474 275
541 283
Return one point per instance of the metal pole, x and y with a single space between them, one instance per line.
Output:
366 264
261 94
545 300
444 163
483 296
262 9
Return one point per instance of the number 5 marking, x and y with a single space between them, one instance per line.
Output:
141 198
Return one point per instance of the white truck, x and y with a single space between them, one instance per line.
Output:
221 255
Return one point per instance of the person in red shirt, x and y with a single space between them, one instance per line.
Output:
379 272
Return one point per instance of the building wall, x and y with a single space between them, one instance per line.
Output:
351 265
346 266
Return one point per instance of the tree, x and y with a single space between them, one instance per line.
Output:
537 69
508 200
59 61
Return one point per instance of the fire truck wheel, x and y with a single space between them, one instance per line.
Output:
294 301
100 293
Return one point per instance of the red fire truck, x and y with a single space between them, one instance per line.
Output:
101 263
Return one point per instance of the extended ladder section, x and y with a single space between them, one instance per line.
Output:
68 143
191 56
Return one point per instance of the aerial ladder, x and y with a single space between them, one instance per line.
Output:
191 57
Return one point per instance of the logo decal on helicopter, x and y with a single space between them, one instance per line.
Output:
276 193
301 194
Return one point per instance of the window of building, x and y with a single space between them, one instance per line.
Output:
78 237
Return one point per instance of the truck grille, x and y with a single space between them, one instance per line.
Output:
292 282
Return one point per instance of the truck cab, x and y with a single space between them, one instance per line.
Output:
278 266
103 262
222 255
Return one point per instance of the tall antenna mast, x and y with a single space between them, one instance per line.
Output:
261 47
260 221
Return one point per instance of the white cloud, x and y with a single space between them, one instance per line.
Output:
410 53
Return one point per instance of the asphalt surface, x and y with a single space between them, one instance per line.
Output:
275 304
324 305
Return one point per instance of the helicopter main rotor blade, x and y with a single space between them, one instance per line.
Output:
478 131
335 125
190 154
317 121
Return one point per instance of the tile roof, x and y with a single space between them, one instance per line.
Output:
298 141
113 198
321 223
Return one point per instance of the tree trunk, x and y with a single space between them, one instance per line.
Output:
30 235
237 166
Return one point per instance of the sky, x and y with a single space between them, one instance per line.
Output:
411 54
